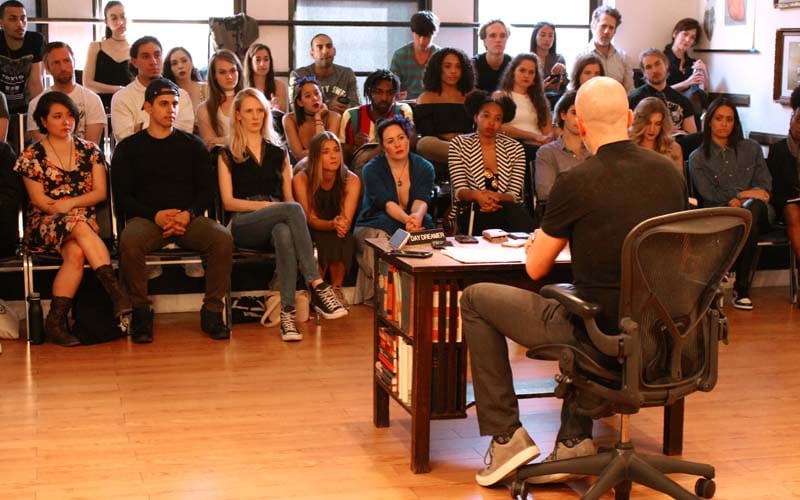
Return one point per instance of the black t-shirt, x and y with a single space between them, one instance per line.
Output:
251 179
679 106
487 77
150 174
15 68
597 203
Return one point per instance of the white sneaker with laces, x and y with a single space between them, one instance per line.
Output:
289 331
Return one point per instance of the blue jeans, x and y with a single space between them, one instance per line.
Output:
281 226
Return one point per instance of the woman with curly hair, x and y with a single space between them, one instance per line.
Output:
440 114
259 73
522 82
586 67
487 169
652 129
214 115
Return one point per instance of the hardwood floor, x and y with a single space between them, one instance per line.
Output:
190 418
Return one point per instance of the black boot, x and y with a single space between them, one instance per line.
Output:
211 323
142 327
56 326
120 299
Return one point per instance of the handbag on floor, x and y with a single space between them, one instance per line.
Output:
272 313
248 309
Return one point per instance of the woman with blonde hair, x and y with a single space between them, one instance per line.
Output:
255 184
652 129
328 192
224 81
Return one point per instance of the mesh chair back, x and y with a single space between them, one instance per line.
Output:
671 272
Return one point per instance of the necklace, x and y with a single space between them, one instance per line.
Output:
67 166
399 178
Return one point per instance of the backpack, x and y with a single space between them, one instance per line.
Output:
93 313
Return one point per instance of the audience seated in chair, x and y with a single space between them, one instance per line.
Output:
337 83
357 130
65 177
60 63
162 184
397 189
585 68
329 192
578 212
487 170
563 153
106 69
180 69
259 73
22 52
616 63
214 115
255 183
552 65
652 129
784 165
490 65
127 113
681 112
686 75
729 170
310 117
410 60
440 114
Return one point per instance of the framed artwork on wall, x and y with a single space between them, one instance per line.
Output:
787 63
786 4
729 26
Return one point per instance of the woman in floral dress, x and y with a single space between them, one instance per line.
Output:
65 179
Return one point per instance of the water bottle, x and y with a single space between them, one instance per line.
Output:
35 319
702 85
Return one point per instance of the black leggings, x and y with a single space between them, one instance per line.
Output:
745 265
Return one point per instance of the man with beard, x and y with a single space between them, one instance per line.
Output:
127 112
654 65
20 57
338 83
60 62
490 65
358 124
617 65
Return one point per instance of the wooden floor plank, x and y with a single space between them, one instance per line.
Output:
191 418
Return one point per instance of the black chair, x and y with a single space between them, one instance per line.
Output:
671 324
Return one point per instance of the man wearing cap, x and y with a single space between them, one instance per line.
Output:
162 180
127 114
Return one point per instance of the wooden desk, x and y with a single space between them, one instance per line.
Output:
438 384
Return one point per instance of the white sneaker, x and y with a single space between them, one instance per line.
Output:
583 448
289 331
154 272
194 270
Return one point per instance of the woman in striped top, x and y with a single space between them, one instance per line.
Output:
487 169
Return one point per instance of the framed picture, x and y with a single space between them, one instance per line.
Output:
728 25
787 63
786 4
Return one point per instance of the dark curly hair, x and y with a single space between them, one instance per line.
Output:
402 122
432 81
46 102
562 106
379 75
535 92
424 23
477 99
736 134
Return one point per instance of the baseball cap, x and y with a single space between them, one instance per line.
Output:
157 87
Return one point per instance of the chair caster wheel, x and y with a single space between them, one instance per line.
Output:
519 490
705 488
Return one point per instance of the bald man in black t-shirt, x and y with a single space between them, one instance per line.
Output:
593 207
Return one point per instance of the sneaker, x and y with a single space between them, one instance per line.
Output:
325 302
571 448
743 303
154 272
212 323
194 270
289 331
503 459
337 290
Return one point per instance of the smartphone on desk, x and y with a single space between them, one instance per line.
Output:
465 238
413 254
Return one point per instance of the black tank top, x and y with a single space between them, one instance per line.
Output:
110 72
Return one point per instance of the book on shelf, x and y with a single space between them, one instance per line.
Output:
442 295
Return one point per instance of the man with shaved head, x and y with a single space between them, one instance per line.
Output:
593 206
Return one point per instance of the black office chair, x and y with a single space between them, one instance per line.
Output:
671 324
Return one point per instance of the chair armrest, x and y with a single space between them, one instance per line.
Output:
567 295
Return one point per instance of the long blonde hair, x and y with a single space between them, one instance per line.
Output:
238 139
314 170
641 118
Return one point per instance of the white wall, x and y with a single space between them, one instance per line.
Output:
647 23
